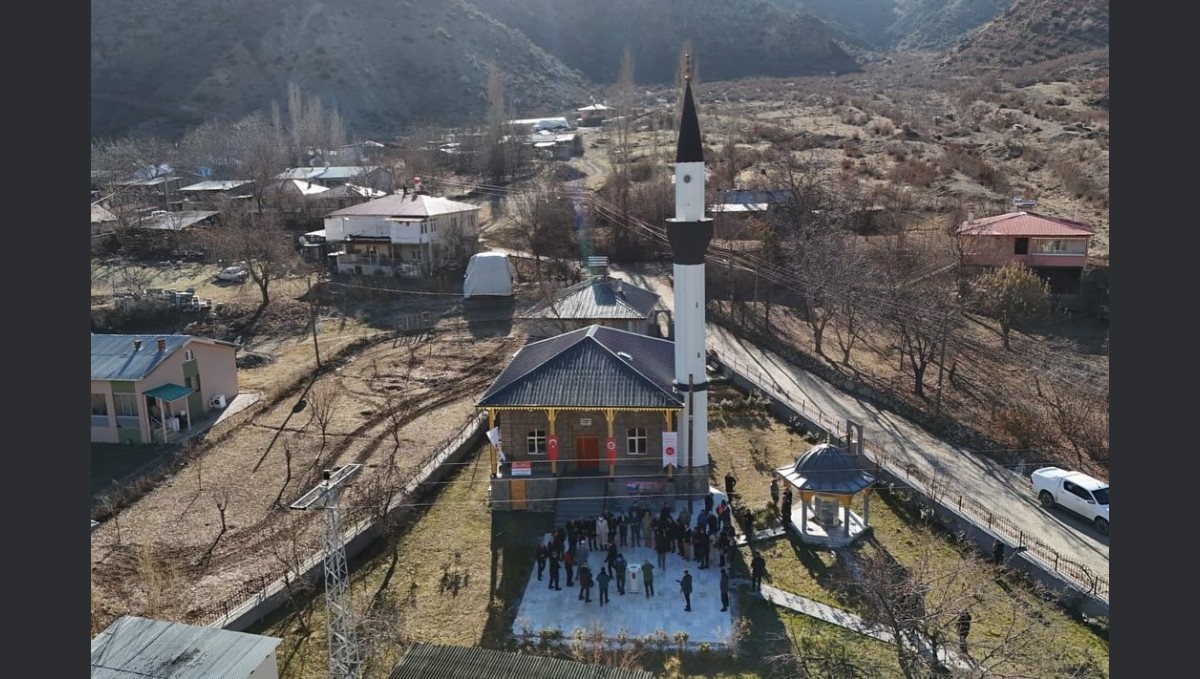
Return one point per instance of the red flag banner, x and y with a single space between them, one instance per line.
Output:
670 448
552 444
610 449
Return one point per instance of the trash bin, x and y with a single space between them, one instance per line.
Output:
634 573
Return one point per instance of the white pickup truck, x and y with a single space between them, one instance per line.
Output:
1076 491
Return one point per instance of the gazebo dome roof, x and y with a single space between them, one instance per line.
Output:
827 469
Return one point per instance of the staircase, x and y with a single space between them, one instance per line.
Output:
580 498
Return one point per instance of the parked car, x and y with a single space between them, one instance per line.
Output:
233 274
1075 491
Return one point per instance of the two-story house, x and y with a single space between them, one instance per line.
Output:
1054 247
405 234
153 388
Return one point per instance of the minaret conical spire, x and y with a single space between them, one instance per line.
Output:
689 150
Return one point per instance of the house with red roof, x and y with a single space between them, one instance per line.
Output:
1054 247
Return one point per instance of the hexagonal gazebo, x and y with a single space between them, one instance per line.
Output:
827 478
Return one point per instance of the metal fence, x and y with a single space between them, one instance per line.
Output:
934 483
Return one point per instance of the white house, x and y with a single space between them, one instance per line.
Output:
405 234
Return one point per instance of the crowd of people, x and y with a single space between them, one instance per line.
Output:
571 550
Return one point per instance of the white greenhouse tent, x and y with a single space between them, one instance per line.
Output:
488 274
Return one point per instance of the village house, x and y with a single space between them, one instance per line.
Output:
159 193
737 213
211 193
153 388
330 176
593 115
408 234
1053 247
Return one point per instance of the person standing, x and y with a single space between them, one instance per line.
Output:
569 565
722 546
612 529
785 512
685 543
724 590
775 493
730 482
620 565
622 530
708 502
724 514
758 568
602 579
582 553
713 524
662 545
648 578
648 528
634 519
748 525
964 628
685 586
541 560
610 559
601 529
998 552
554 571
590 525
585 584
700 547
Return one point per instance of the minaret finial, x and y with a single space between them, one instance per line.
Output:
687 69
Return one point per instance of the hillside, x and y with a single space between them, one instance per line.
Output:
732 38
900 24
162 65
1033 31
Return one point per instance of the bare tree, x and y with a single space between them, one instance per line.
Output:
544 217
259 241
323 402
1011 294
919 605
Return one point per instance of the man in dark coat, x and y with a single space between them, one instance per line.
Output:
708 503
775 492
700 541
620 564
602 579
569 565
541 560
748 525
785 511
758 568
964 628
685 586
730 482
724 590
554 556
590 525
622 530
585 584
722 546
610 559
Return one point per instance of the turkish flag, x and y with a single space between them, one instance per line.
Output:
610 449
552 443
670 451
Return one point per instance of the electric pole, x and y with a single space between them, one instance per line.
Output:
312 308
344 660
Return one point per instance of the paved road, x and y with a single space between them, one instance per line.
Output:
1003 491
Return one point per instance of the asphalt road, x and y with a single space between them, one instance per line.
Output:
994 486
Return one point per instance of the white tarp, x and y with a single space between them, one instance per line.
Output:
488 273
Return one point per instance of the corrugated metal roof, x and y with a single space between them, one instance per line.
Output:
176 221
1025 224
135 647
602 297
585 368
827 469
434 661
217 185
169 392
411 205
332 172
114 356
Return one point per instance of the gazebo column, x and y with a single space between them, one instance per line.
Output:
804 499
162 416
846 500
552 443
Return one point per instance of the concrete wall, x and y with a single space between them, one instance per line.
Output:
541 495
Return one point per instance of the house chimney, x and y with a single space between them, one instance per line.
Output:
137 345
162 344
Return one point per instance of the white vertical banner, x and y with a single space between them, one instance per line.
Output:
670 448
494 436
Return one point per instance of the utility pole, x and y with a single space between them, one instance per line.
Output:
312 308
344 660
937 408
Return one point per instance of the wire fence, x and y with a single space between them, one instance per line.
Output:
934 482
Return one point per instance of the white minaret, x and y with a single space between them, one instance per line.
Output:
689 234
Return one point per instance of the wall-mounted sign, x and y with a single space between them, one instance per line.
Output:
522 468
585 421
